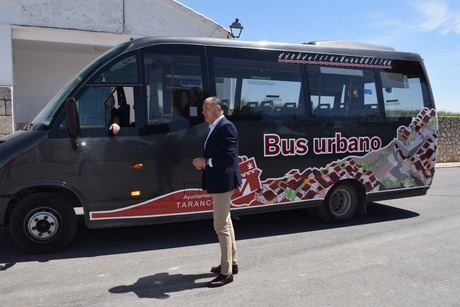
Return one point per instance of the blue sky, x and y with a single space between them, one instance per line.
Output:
430 28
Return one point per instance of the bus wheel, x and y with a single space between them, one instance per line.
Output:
340 204
42 222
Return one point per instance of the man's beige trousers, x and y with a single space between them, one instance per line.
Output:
224 229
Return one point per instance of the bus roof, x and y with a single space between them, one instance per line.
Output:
332 47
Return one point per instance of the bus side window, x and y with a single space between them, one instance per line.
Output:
402 94
254 89
342 92
174 91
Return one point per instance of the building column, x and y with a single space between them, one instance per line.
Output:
6 81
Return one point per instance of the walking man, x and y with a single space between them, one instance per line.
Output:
221 175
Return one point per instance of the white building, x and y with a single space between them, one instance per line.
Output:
45 42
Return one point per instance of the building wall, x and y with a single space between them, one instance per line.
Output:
132 17
449 139
41 71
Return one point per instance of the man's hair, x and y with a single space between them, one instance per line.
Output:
217 101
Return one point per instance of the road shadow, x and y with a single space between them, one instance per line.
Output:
159 285
6 266
97 242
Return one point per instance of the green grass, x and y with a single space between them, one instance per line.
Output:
448 114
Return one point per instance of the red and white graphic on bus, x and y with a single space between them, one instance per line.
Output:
406 162
250 175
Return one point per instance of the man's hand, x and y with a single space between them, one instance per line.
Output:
199 163
114 128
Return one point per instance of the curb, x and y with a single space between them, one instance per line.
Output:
447 164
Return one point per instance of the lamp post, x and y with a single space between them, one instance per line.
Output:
236 28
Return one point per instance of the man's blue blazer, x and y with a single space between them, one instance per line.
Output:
222 147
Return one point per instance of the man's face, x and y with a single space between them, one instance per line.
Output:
210 111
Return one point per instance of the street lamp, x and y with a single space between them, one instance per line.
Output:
234 27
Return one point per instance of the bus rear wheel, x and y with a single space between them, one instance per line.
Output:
340 204
42 223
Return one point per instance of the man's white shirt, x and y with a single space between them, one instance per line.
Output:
211 128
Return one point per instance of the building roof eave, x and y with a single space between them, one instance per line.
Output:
218 26
58 35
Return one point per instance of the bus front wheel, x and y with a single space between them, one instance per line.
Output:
340 204
42 222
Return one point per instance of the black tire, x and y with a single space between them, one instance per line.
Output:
340 204
42 223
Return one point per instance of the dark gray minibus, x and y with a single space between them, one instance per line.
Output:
328 126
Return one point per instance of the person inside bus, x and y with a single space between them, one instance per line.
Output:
123 108
114 115
355 102
220 177
192 108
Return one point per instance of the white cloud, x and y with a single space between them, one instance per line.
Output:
437 16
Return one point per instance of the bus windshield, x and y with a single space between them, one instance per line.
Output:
46 115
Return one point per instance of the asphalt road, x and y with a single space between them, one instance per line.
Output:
405 252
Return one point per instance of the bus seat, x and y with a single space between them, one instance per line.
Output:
253 104
266 104
289 105
323 109
266 107
249 108
289 108
370 110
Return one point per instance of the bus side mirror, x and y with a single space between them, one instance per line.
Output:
72 121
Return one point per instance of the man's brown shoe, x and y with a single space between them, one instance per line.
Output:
220 280
217 269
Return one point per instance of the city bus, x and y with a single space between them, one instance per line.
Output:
327 125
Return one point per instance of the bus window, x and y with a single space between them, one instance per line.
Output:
91 107
123 71
101 106
342 92
109 97
256 89
174 89
226 89
402 94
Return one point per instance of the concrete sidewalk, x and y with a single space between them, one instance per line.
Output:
447 164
